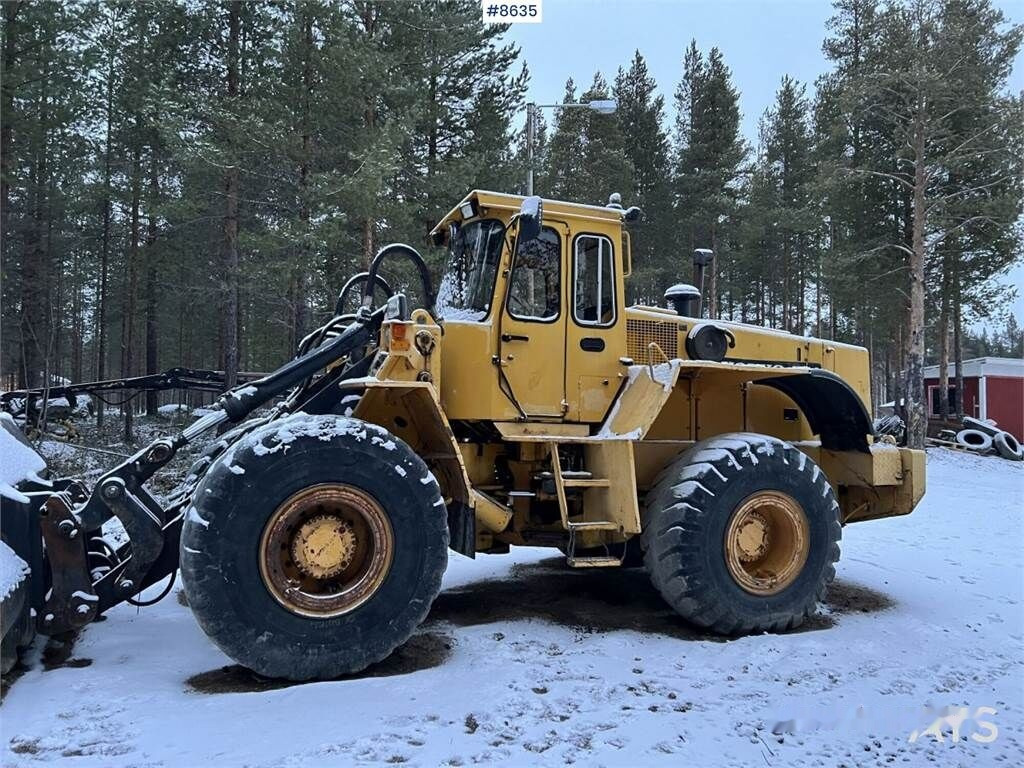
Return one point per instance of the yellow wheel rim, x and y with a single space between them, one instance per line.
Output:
766 542
326 550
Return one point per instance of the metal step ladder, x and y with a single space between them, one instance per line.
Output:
583 480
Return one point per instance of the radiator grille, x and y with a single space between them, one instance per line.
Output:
640 333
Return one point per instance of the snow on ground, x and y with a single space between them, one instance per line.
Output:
172 408
524 662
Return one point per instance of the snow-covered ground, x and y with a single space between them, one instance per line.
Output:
524 662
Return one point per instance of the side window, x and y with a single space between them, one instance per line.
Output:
536 286
593 281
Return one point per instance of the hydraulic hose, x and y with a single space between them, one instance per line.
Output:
241 401
362 277
414 256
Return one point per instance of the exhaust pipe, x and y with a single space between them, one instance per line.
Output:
702 257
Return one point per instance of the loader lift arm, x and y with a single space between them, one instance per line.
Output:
16 401
69 517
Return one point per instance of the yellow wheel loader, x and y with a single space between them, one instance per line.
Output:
523 405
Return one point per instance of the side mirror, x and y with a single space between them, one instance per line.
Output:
531 217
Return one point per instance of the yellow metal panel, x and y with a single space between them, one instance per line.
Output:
412 411
617 503
469 374
533 366
882 466
539 432
644 394
490 514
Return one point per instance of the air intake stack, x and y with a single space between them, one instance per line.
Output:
683 299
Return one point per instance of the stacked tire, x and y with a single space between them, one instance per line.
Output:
984 436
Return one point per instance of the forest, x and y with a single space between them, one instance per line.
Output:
190 183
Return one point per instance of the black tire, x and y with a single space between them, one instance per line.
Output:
221 542
1008 447
688 512
974 440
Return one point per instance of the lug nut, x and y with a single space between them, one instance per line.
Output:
67 529
111 491
127 585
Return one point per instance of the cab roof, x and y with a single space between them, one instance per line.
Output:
504 202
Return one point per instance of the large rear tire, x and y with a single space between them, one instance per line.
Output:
314 547
741 534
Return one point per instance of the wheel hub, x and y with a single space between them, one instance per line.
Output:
766 542
752 537
324 546
326 550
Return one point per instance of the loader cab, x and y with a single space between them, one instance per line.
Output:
533 309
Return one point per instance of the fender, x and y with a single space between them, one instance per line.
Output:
411 410
832 408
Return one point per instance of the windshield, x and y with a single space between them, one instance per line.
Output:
467 287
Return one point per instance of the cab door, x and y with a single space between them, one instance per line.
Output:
532 326
595 329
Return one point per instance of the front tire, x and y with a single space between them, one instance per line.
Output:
314 547
741 534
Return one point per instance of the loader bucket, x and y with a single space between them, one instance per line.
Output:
22 572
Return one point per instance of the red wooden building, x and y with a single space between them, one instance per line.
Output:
993 389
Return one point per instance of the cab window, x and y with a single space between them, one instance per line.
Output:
468 283
535 287
593 281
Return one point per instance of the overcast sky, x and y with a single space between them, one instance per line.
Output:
760 41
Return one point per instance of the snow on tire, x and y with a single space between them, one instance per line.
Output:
974 439
988 427
741 534
1008 447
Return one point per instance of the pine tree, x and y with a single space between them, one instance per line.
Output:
790 168
563 171
640 114
709 153
909 92
586 157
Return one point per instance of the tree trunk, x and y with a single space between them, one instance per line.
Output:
369 13
152 305
958 343
712 288
944 344
229 305
7 108
77 318
786 304
301 302
103 287
131 279
916 421
35 286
